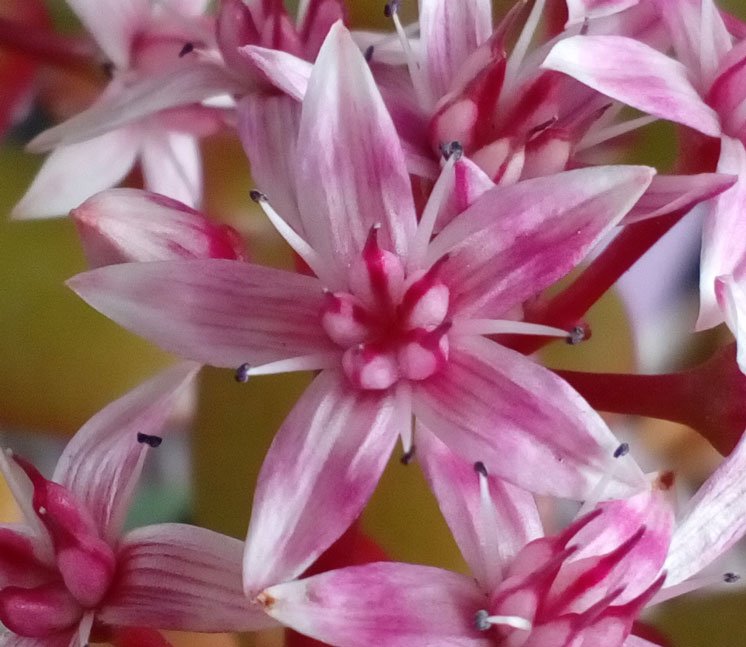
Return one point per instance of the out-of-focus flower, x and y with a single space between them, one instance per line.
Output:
68 573
703 90
396 322
584 586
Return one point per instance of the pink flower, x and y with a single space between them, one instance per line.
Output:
68 571
396 323
583 586
703 90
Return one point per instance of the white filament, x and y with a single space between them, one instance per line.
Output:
419 82
599 136
489 536
521 46
312 362
505 327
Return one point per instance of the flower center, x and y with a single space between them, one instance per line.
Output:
391 326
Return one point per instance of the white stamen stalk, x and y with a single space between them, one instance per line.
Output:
707 54
419 82
404 410
313 362
489 532
425 227
692 584
505 327
484 621
597 493
301 247
598 136
521 47
300 17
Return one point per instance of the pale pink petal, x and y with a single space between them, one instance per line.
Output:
174 576
73 173
285 71
489 530
316 22
636 641
188 7
387 604
218 312
60 640
579 10
516 240
172 166
101 464
321 469
731 297
268 128
114 24
525 424
669 193
470 183
723 242
450 32
178 87
636 74
728 92
700 38
715 519
123 225
345 189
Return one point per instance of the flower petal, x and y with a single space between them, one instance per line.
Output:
172 166
449 33
636 74
490 530
174 576
345 189
580 10
102 462
285 71
669 193
123 225
723 242
526 425
74 173
636 641
60 640
396 605
516 240
219 312
145 97
731 297
318 474
715 519
268 127
114 24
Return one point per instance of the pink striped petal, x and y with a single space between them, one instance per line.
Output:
494 405
731 296
320 471
285 71
715 520
123 225
636 74
489 530
699 35
148 96
449 33
172 165
387 604
723 242
114 24
174 576
344 190
73 173
516 240
102 462
218 312
669 193
470 183
268 127
728 92
314 25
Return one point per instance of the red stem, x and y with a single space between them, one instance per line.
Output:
46 46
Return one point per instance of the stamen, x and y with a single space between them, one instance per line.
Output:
312 362
108 69
540 128
300 16
449 149
187 49
731 578
585 26
505 327
480 469
419 82
492 556
301 247
693 584
243 373
438 196
521 47
368 53
578 334
150 441
484 621
598 136
408 456
598 491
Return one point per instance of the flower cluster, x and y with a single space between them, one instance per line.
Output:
434 184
